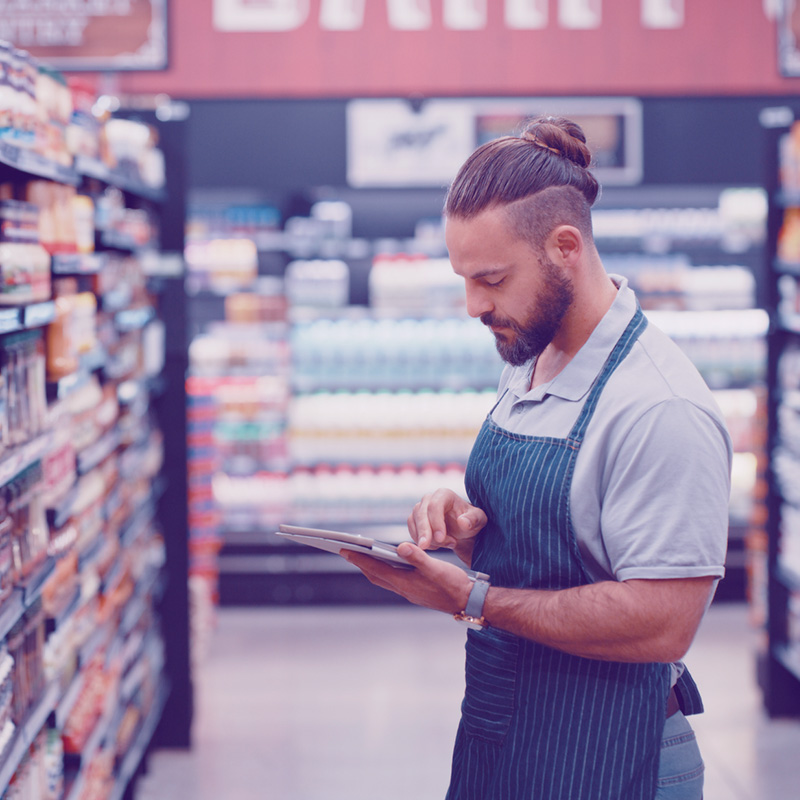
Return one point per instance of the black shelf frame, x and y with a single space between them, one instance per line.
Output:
778 675
174 729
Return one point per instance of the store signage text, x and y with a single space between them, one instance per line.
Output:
88 34
51 23
417 15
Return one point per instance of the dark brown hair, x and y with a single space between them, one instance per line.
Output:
550 156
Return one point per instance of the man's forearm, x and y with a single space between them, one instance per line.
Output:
634 621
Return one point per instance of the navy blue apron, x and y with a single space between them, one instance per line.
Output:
537 723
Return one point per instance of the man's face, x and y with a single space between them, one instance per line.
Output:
516 291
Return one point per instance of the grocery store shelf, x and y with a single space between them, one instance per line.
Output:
137 605
74 789
12 609
26 733
104 725
36 315
10 320
442 383
283 564
27 317
100 636
133 758
134 318
704 250
77 263
138 522
114 240
33 584
93 455
68 699
779 673
787 267
25 160
124 177
23 596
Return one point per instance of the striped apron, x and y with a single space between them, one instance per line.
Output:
537 723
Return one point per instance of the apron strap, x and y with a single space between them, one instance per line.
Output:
621 349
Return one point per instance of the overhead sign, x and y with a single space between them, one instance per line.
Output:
89 34
389 143
420 15
400 143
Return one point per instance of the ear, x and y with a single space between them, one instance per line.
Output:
565 245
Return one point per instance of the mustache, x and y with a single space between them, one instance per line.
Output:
490 320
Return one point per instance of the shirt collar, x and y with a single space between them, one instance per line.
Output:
575 380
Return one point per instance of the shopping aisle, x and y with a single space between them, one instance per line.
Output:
362 703
321 704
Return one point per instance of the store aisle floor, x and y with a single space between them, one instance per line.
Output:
362 703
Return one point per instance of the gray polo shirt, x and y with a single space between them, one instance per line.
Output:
651 487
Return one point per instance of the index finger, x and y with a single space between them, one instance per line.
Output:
426 524
428 521
419 525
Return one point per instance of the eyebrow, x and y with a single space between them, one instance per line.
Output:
486 273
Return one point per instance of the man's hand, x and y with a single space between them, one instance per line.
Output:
433 583
444 519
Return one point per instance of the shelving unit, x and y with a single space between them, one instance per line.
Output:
779 599
377 357
103 589
262 454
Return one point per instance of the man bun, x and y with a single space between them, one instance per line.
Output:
560 136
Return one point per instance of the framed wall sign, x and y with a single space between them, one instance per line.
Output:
394 143
100 35
404 143
789 39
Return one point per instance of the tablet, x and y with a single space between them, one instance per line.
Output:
334 541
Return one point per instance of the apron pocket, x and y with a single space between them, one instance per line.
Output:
491 675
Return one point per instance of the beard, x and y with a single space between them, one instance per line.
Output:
531 336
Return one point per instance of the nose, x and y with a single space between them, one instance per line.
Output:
477 301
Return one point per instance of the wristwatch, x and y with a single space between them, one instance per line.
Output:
472 615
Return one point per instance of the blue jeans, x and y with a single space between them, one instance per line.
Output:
680 771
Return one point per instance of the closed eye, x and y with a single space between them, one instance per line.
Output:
494 284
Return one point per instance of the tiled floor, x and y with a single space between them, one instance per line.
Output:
362 703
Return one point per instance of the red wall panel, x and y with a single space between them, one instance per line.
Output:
724 47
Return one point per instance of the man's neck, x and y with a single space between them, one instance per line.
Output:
573 334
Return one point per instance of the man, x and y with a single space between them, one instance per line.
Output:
598 498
